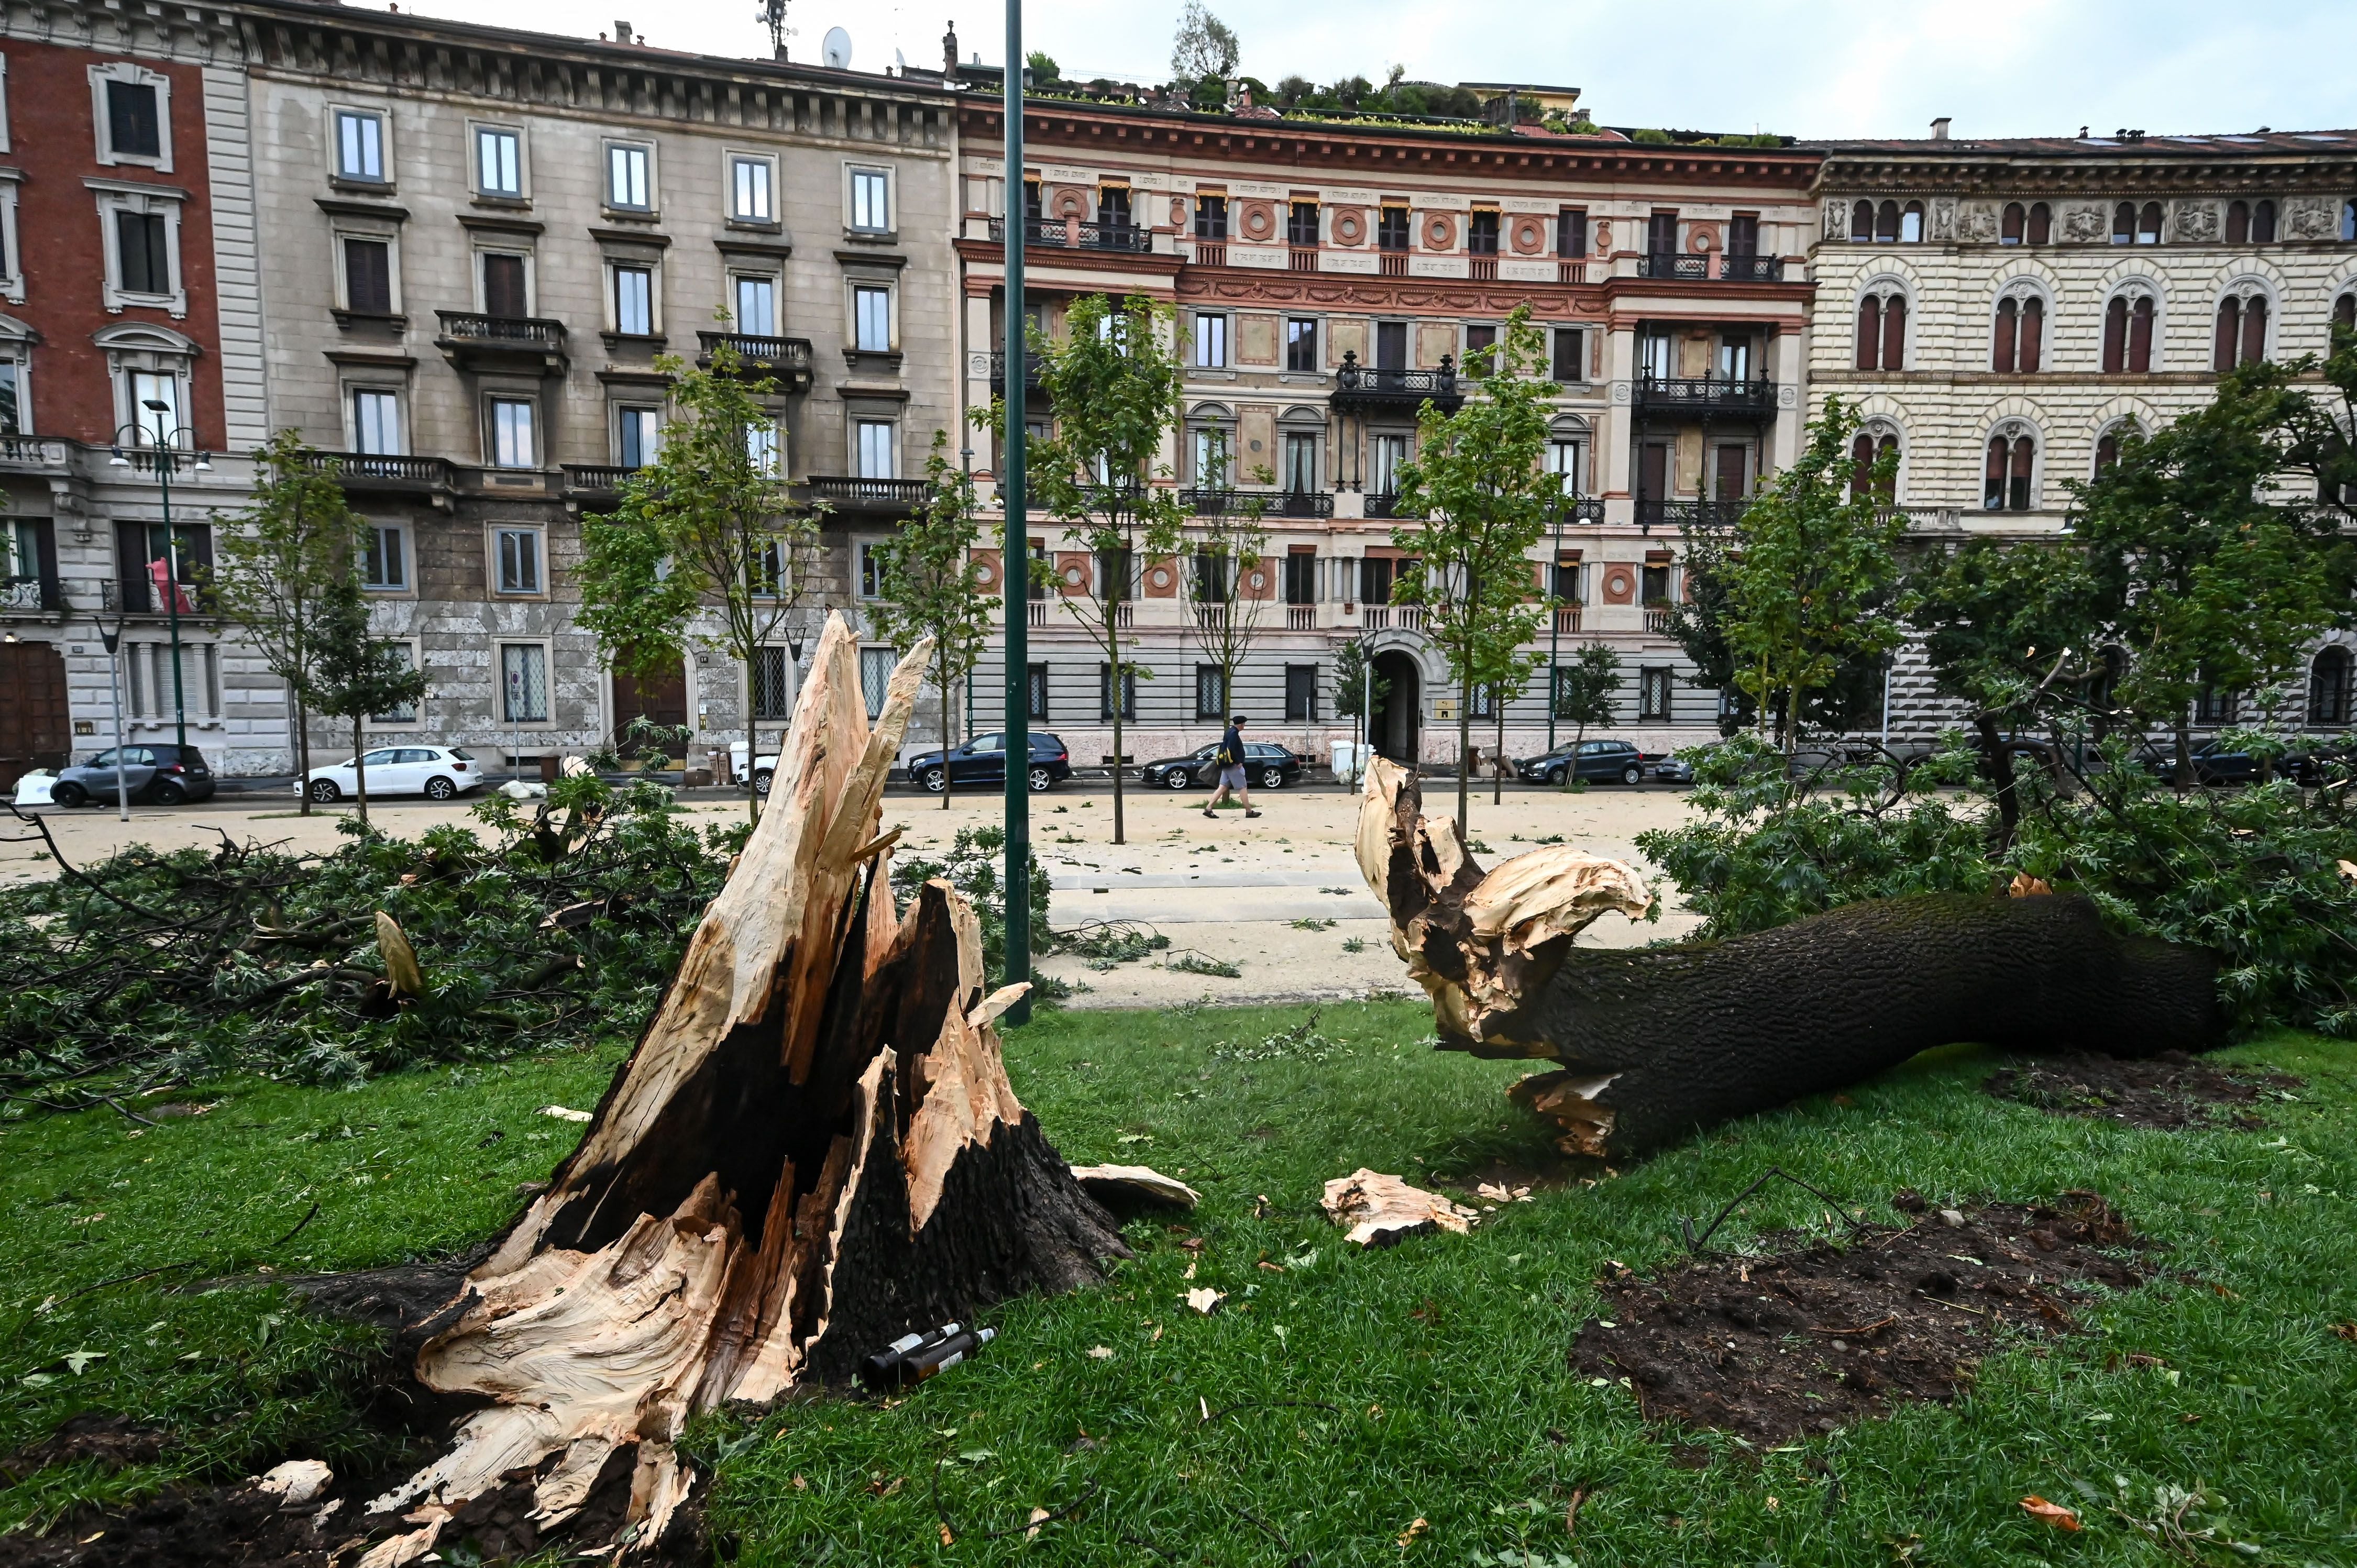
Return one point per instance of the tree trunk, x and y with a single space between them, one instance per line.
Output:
1464 749
2183 776
1997 761
943 689
753 742
303 752
1652 1043
359 770
1498 757
813 1150
1119 688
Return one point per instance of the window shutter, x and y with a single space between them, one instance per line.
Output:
2255 329
2222 346
2033 335
1869 330
2140 337
2001 348
2115 335
367 277
1894 332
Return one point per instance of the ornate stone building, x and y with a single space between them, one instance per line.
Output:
1327 278
2002 310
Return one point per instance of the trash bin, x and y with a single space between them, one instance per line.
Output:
1350 761
549 767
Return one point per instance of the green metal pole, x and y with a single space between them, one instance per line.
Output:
1555 637
172 586
1016 554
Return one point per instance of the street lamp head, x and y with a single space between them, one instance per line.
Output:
155 404
118 460
204 462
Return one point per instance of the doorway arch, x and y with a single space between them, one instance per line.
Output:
1394 731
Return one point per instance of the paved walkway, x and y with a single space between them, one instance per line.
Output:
1280 897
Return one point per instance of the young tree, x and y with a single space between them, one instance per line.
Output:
1114 383
1810 576
1507 662
356 675
1205 47
705 529
1225 549
929 585
2215 562
1358 690
278 563
1584 690
1485 500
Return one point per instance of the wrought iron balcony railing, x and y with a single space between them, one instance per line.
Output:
32 593
998 373
1569 510
1226 502
1751 269
1677 395
1383 503
1365 387
1667 265
1689 514
1209 500
1038 231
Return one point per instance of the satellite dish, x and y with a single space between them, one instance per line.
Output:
837 48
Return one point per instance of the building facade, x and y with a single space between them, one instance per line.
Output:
129 320
2002 311
485 240
1326 279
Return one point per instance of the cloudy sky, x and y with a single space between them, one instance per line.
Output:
1819 68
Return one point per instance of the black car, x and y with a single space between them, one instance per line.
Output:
983 760
1267 765
1597 759
157 774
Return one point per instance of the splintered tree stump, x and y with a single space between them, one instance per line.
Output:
1652 1043
813 1150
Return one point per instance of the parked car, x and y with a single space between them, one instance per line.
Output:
982 760
1596 759
1674 769
158 775
1266 765
436 772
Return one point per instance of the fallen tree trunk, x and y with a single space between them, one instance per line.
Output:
1654 1043
813 1149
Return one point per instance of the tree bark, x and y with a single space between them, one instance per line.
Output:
359 768
303 752
1997 759
813 1149
1651 1044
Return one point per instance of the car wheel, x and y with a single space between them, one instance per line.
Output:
440 789
1177 779
324 790
1272 778
68 796
169 793
1039 780
1632 774
935 779
1554 775
761 782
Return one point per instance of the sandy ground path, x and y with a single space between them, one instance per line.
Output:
1279 897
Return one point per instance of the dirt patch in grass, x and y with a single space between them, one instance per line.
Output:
2167 1091
1814 1335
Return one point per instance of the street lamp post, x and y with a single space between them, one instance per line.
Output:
167 458
113 637
1554 629
1014 552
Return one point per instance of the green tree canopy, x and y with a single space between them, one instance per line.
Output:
928 587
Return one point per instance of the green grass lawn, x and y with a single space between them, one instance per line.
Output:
1443 1360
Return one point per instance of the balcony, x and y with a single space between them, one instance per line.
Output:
1212 617
845 493
1682 397
1362 389
597 481
1570 511
530 345
1651 514
1566 619
1657 618
1208 500
32 451
384 474
1038 231
1387 617
32 595
1664 264
1383 503
998 374
1301 259
1035 612
1134 239
1751 269
1301 617
785 360
1211 252
1223 502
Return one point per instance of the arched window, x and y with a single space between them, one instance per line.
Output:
2020 338
2124 223
2263 223
2241 335
2009 227
1910 223
2012 459
2349 219
2127 333
1869 447
2148 224
2108 445
2328 687
1886 224
2238 222
2041 223
1861 223
2344 311
1882 331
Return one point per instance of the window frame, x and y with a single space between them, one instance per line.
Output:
852 176
496 531
493 402
119 197
650 304
481 188
353 393
650 203
132 73
1653 678
1294 336
738 278
338 113
390 238
503 719
856 323
619 417
1210 332
860 425
406 588
731 186
373 724
12 257
17 356
482 280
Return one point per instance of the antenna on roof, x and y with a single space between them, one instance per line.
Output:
836 49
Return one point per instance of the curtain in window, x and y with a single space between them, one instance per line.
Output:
875 675
523 682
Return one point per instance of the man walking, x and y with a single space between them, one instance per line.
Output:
1230 761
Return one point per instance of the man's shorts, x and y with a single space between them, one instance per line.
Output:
1232 778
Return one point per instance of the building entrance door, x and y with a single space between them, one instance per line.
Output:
34 731
659 699
1392 731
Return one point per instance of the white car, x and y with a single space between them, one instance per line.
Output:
436 772
763 767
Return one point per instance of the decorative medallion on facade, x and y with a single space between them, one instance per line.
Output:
2197 221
